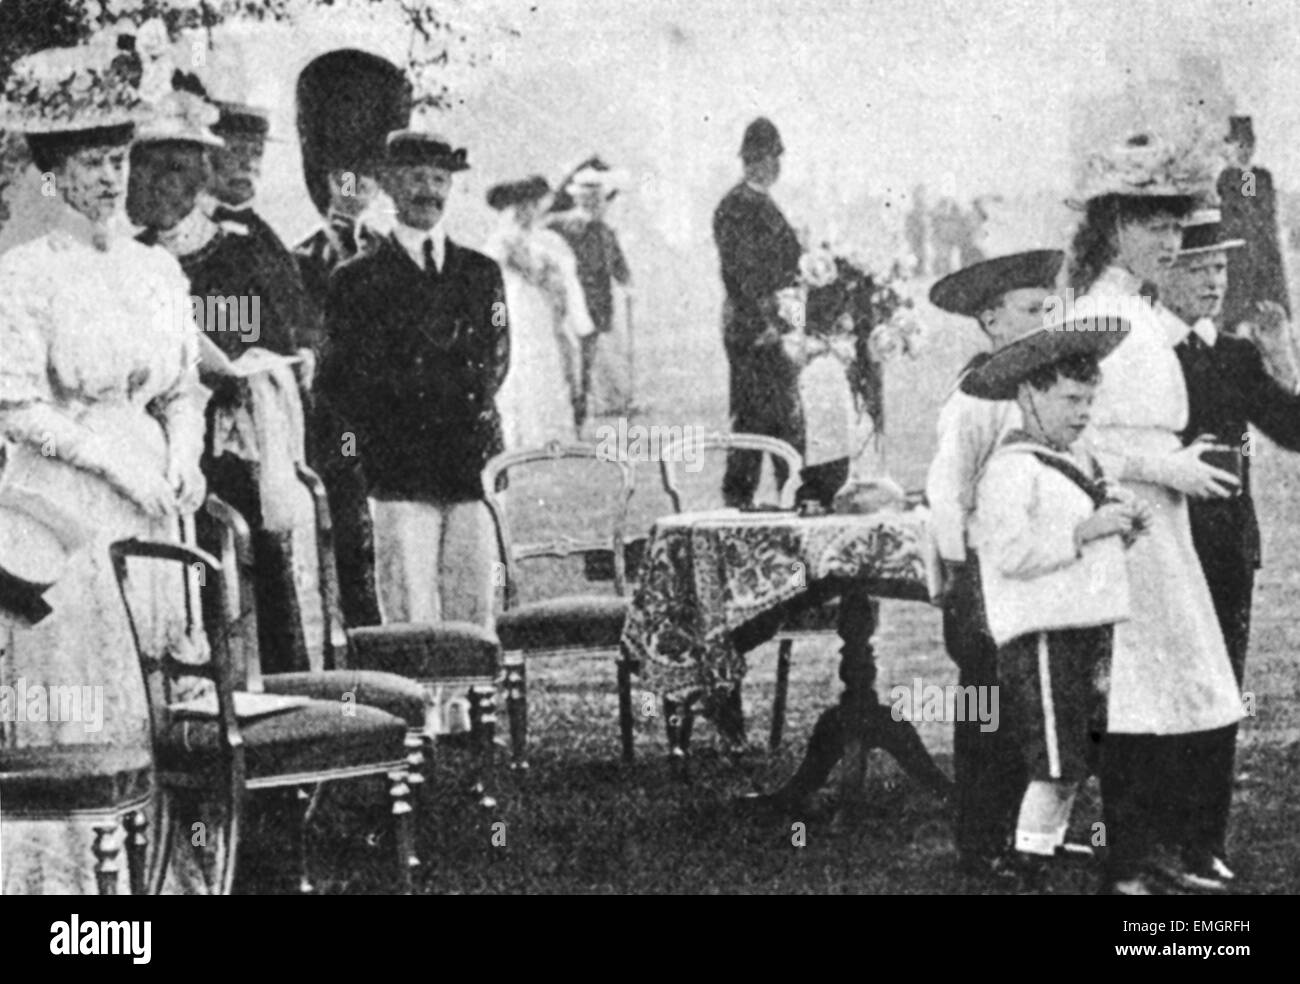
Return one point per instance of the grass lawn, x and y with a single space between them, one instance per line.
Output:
580 822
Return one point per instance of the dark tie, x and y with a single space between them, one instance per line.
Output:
430 261
224 213
345 230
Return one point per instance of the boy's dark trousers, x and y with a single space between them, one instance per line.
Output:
989 767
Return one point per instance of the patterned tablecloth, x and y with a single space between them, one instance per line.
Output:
705 574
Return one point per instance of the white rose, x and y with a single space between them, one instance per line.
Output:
817 267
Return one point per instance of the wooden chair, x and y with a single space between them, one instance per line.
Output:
324 676
558 623
207 764
390 664
816 622
393 667
110 788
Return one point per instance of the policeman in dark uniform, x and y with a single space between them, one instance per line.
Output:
348 102
1228 388
759 254
1256 271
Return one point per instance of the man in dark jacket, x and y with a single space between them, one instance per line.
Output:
1228 389
759 254
418 344
1256 271
236 169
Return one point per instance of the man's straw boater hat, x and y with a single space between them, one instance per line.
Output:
1203 233
415 147
975 288
1147 166
1000 376
67 90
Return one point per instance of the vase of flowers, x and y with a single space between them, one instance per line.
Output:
844 324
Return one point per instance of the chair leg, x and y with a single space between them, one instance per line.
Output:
483 731
403 830
137 850
782 692
516 673
625 708
305 801
164 836
106 849
678 720
414 745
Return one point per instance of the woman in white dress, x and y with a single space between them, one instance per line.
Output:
1170 678
548 318
102 415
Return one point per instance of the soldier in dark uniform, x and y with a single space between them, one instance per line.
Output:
1228 388
759 254
348 102
1256 271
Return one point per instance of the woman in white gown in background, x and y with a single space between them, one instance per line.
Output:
548 317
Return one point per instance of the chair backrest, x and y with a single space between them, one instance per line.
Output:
212 662
598 535
688 448
238 606
238 544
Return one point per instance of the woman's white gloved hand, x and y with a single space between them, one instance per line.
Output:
1184 471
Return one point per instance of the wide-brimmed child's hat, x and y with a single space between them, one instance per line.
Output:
999 377
977 287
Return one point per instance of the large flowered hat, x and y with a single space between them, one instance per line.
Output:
1148 166
62 90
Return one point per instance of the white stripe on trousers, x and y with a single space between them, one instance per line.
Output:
1049 709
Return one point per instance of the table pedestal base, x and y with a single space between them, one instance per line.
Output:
857 724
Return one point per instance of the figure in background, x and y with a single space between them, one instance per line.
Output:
348 103
549 321
101 410
607 386
759 255
1249 204
916 226
418 346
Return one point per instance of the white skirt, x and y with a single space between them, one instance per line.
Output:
1170 672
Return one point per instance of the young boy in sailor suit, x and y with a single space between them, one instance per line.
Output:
1050 538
